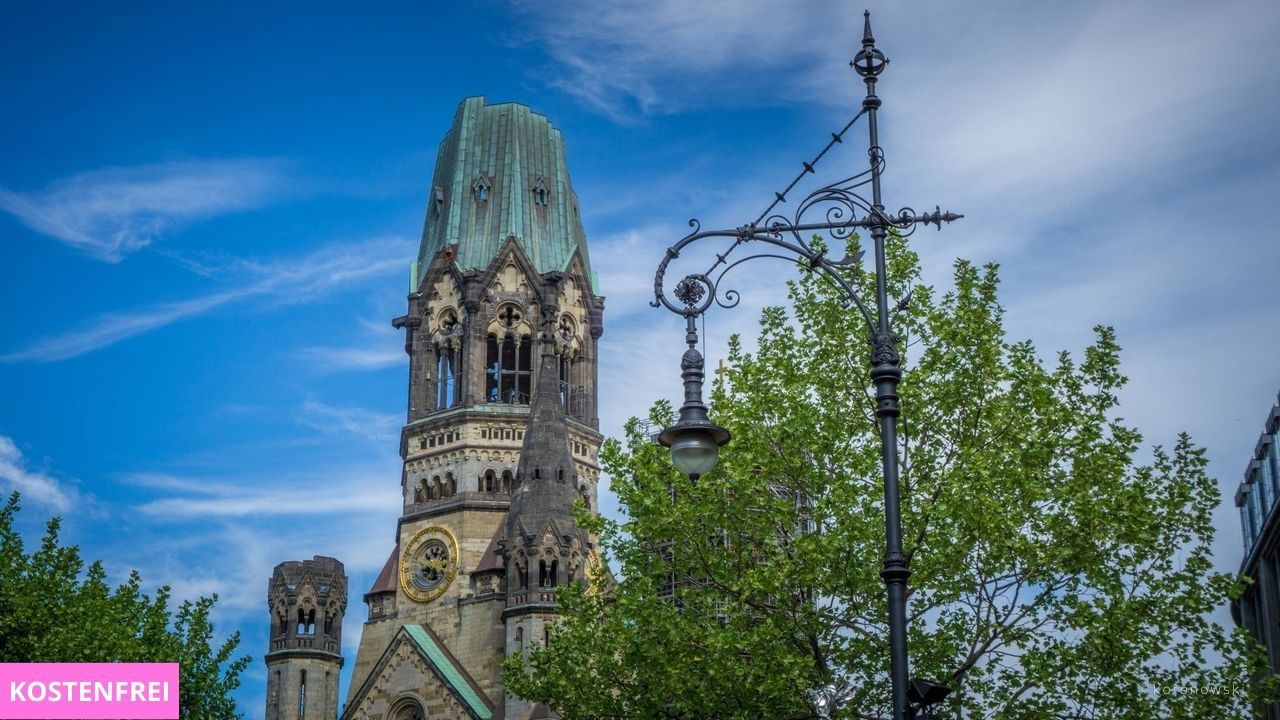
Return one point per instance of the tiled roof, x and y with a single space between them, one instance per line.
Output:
491 559
386 581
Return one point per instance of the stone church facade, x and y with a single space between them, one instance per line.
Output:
501 440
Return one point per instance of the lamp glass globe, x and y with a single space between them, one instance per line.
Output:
695 453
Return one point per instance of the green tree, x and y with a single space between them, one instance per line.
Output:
54 610
1054 574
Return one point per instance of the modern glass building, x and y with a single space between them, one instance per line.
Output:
1258 611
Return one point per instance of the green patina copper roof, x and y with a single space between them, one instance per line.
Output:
511 149
452 676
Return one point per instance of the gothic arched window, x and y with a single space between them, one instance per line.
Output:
566 383
446 377
447 358
508 362
541 196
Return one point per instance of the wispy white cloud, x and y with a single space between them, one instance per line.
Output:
636 57
36 486
353 358
349 490
382 347
282 281
110 213
374 426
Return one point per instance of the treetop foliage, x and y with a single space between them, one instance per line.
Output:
53 609
1053 574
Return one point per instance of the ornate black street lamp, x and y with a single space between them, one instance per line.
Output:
695 440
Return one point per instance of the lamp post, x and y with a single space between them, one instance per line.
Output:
841 209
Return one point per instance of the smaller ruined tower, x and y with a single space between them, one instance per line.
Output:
307 599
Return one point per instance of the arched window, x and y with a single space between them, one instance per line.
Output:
507 481
508 362
541 196
302 622
436 488
519 640
552 575
450 484
447 357
408 710
489 483
302 696
481 187
419 492
446 377
566 383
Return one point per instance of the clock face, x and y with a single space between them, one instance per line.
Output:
429 564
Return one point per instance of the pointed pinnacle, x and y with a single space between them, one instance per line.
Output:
867 37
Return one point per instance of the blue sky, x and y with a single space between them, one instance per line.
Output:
207 213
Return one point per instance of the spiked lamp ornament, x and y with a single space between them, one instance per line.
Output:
840 209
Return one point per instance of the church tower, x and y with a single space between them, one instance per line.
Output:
501 436
307 600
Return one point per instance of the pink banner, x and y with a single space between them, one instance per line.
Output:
88 691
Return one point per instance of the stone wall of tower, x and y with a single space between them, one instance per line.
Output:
522 635
307 600
288 682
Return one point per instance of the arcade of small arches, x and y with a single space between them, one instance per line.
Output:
304 624
491 482
548 569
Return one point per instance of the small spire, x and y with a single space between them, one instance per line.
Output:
869 62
